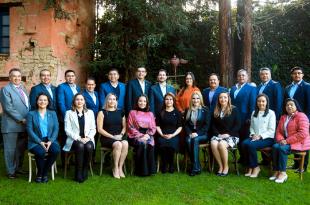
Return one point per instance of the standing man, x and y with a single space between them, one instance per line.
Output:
158 91
15 105
92 103
137 87
113 86
243 96
211 93
65 93
44 87
300 91
272 89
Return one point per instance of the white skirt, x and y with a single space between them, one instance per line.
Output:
231 140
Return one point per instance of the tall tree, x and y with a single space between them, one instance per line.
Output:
247 38
226 59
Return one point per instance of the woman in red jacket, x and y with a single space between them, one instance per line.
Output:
292 134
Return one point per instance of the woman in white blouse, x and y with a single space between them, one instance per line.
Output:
262 131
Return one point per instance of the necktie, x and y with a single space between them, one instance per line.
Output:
21 92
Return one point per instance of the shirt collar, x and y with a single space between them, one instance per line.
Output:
266 83
298 83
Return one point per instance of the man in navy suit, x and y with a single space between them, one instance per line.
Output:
44 87
65 93
92 103
243 96
158 91
272 89
300 91
136 88
113 86
211 93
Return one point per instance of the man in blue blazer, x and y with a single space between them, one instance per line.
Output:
158 91
300 91
211 93
15 106
136 88
113 86
65 93
272 89
92 103
243 96
44 87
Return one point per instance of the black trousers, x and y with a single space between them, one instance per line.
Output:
83 154
167 157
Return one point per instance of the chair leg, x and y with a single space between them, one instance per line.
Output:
204 151
178 165
101 162
66 165
52 171
56 171
301 165
30 168
158 163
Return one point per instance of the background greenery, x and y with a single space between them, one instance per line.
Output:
137 32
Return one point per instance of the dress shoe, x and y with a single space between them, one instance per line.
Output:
255 173
44 179
38 179
224 174
272 178
12 176
219 174
247 174
282 180
299 171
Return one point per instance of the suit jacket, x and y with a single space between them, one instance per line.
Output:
297 131
275 94
33 128
64 98
205 94
14 109
244 101
106 88
40 88
263 126
302 95
202 124
228 124
133 91
90 104
72 127
156 97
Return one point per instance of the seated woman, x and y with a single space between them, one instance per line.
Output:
225 126
262 130
80 128
111 124
196 127
141 129
42 128
169 125
292 134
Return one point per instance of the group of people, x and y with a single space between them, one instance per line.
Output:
156 121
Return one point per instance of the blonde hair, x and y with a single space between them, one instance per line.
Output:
218 109
105 106
191 107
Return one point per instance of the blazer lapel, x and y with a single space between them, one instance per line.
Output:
18 94
48 93
75 119
139 86
37 122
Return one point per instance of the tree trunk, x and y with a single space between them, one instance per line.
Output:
247 39
226 62
238 37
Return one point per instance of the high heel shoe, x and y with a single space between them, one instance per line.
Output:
248 174
256 172
115 174
282 180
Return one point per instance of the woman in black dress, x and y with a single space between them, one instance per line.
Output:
169 125
111 125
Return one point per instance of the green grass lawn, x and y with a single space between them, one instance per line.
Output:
176 188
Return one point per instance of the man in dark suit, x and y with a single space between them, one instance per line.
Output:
158 91
65 93
272 89
136 88
15 105
113 86
300 91
243 96
92 103
44 87
211 93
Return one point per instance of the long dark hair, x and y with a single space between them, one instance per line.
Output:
184 86
291 100
147 107
267 105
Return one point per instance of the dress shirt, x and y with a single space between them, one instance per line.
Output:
142 84
239 87
293 89
163 88
211 94
261 90
73 88
92 95
49 89
23 94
